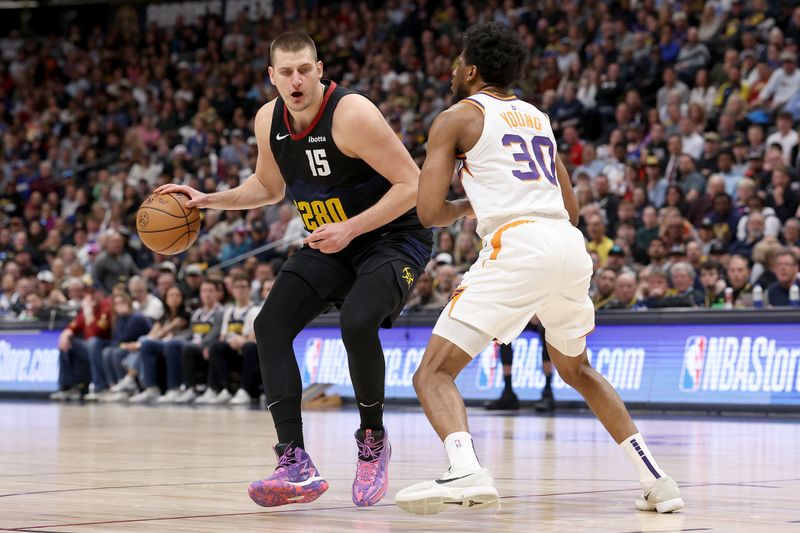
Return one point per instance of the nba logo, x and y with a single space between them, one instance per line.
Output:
694 355
487 367
312 360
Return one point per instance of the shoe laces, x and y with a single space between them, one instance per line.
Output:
367 471
370 448
369 451
288 459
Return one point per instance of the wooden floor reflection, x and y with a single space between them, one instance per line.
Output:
70 468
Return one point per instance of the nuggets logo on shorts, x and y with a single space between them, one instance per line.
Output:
408 276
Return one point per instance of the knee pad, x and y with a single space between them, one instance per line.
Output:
570 347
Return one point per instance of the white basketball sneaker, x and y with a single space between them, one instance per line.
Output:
664 497
464 489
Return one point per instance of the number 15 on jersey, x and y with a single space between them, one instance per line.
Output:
317 160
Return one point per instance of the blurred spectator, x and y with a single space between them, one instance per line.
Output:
115 264
466 250
235 349
8 293
87 334
172 325
682 275
192 280
784 136
783 84
599 242
786 270
624 296
128 326
791 233
35 308
206 326
168 345
754 234
445 279
657 253
713 284
659 295
143 301
424 298
782 197
604 280
724 218
738 274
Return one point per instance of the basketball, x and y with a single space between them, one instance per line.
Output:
165 225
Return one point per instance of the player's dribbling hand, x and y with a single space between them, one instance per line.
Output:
196 198
330 238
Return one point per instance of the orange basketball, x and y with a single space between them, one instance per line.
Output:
165 225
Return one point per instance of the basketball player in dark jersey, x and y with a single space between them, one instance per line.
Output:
354 184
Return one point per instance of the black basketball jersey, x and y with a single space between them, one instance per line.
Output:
325 184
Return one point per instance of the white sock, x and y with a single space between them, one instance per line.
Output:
636 450
460 452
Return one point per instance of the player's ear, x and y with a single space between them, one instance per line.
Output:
271 73
319 68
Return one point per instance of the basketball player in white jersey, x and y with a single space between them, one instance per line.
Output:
534 261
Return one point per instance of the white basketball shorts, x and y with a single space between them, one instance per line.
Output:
528 266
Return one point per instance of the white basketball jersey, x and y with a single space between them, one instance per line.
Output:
511 170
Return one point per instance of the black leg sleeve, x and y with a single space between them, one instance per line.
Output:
290 306
374 297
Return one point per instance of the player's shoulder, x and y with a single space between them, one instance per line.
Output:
264 113
355 107
461 114
263 118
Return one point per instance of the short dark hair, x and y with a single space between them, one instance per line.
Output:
291 41
711 265
496 51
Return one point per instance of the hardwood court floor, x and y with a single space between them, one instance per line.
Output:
109 468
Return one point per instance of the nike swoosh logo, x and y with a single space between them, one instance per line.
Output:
281 137
448 480
308 481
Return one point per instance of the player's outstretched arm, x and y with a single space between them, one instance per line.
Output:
434 181
264 187
567 192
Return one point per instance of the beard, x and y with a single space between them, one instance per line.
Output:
459 92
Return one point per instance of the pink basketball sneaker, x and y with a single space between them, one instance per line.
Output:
295 480
372 470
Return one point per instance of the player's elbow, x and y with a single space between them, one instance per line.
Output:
426 217
574 218
275 196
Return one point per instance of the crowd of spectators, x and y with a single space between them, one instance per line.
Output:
677 121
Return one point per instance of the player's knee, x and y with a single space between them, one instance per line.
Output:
356 324
419 379
268 326
573 370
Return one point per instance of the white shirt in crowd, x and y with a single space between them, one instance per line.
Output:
780 87
787 142
152 308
